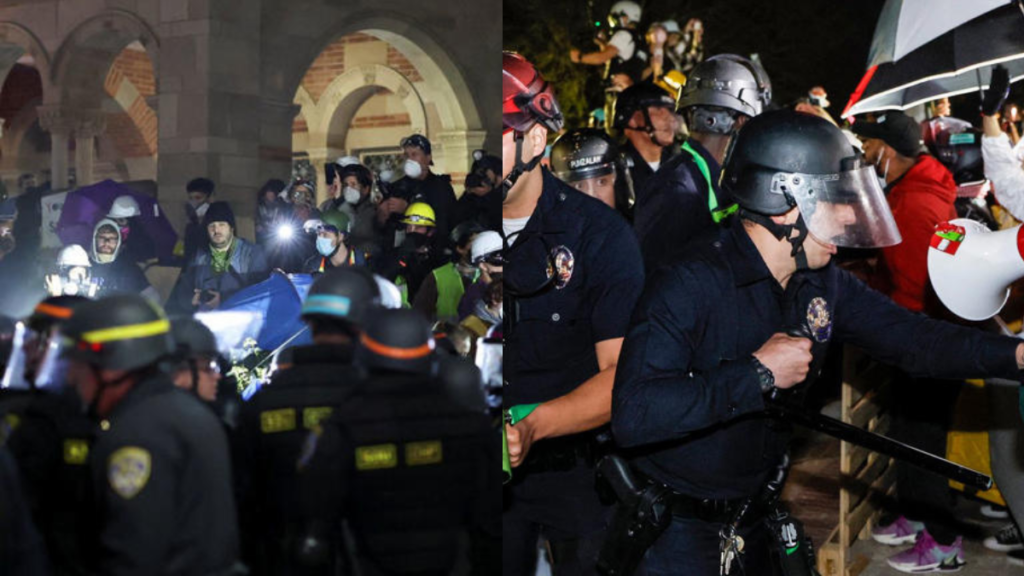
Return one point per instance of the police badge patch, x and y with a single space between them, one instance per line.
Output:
128 471
819 320
564 262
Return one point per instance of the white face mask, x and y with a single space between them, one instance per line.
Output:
412 169
201 210
351 195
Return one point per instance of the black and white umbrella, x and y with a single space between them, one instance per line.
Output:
955 62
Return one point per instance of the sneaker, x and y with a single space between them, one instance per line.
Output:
1016 558
1005 540
930 556
996 512
902 531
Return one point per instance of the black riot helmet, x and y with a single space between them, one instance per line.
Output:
720 89
584 153
785 159
121 332
192 338
345 295
397 340
53 311
640 97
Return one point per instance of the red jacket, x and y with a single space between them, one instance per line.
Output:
921 199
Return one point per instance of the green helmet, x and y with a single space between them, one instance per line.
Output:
338 219
122 332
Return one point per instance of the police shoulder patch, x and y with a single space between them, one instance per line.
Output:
128 470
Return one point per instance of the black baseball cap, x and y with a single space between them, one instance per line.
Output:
899 131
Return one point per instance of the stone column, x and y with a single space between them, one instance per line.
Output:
54 120
456 151
87 127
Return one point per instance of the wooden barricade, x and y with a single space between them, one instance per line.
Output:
866 478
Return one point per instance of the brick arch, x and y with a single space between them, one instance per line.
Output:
446 87
129 82
82 62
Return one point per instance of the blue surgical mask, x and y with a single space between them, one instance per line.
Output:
325 246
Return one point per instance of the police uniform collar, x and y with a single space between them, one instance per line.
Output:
149 385
700 149
747 266
553 196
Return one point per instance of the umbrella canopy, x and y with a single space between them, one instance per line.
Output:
86 206
954 63
906 25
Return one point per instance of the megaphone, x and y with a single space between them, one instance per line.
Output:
971 267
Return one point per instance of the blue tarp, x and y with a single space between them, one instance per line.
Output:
279 301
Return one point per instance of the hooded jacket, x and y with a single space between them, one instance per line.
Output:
120 274
920 199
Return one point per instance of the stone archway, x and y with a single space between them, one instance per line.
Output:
80 72
451 117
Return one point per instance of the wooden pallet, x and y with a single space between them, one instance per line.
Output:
866 478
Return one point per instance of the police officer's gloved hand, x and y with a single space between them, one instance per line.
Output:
998 90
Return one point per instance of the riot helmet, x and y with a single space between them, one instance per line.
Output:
120 332
342 295
584 153
397 341
785 159
640 97
721 87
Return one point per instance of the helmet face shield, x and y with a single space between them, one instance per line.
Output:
847 209
17 360
53 366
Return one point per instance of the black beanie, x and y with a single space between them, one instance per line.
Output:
219 212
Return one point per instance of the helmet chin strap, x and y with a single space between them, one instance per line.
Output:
784 232
520 167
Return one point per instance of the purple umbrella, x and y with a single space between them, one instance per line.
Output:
86 206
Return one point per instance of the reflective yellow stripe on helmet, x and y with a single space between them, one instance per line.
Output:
154 328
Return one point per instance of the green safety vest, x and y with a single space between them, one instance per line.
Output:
449 291
717 214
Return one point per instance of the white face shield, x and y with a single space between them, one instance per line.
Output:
847 209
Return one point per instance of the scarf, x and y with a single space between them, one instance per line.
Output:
220 260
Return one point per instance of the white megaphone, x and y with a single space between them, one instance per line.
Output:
971 267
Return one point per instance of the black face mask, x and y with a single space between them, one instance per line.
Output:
417 240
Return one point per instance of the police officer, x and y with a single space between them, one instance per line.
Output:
573 276
588 160
312 382
403 461
753 312
50 438
21 548
683 200
645 114
160 463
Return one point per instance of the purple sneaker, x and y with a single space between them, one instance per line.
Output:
930 556
902 531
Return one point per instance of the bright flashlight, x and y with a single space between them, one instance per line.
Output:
285 232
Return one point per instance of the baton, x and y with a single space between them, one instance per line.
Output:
881 444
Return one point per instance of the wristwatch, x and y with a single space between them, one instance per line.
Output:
764 375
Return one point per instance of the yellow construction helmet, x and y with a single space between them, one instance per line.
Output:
672 82
420 214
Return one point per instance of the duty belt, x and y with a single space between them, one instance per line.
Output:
707 509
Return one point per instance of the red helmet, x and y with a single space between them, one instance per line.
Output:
526 97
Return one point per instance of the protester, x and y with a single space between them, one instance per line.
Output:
225 265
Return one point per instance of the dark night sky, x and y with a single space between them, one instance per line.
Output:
801 43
